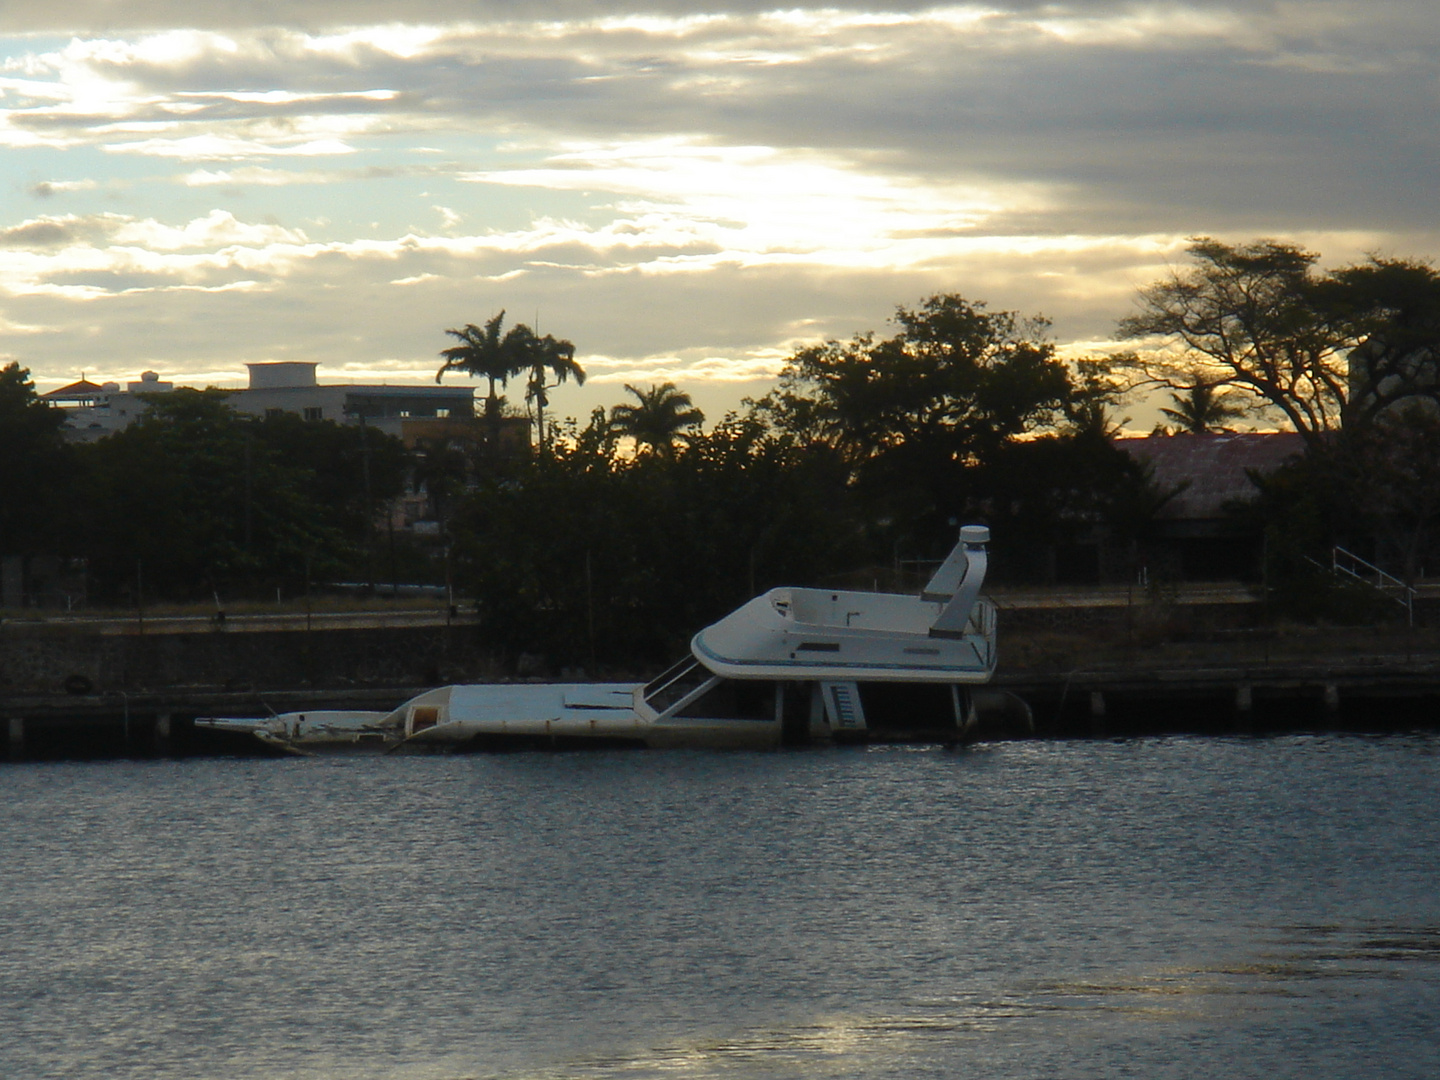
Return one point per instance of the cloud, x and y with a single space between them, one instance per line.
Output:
1137 110
686 192
52 232
220 147
47 188
219 228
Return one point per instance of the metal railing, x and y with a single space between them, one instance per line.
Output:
1346 564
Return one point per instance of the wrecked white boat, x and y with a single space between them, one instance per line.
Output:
790 667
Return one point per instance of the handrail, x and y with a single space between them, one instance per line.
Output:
1350 565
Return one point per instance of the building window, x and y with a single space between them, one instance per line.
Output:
313 412
273 412
442 414
405 414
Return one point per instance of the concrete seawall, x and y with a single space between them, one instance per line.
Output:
103 656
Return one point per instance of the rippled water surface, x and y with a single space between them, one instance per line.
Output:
1149 908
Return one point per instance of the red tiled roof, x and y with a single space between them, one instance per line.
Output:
1214 464
74 392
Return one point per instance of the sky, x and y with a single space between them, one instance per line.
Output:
687 191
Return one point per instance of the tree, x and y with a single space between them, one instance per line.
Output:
485 353
1259 318
196 497
658 417
1199 409
1095 390
1390 309
441 469
914 415
1242 317
545 357
957 372
36 468
585 554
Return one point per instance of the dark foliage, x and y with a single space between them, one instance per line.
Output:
37 472
587 557
195 499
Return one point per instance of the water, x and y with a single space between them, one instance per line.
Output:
1150 908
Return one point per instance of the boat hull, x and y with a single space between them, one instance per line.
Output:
319 731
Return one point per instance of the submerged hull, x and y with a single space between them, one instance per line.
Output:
322 731
560 716
750 716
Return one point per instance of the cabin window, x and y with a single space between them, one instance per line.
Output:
424 716
732 699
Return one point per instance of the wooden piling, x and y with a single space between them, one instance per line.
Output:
15 742
1332 705
1244 708
162 734
1097 714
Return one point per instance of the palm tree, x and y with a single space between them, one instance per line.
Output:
1199 409
544 357
660 414
484 352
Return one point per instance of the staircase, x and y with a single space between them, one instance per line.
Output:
1348 566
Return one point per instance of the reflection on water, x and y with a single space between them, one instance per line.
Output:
1159 908
866 1044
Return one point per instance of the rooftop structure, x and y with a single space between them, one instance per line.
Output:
1212 470
1195 538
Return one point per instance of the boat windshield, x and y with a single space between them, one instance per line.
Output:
674 684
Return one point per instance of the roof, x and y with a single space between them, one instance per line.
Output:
83 390
1215 466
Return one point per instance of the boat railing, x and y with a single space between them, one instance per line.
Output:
674 684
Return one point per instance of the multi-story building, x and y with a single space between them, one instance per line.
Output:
406 411
291 386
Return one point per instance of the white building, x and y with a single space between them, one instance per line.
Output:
282 387
290 386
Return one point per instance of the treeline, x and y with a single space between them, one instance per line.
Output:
193 500
613 540
620 538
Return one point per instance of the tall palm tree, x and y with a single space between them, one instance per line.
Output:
1200 409
545 357
657 418
485 353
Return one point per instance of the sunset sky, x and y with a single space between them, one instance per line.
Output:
686 191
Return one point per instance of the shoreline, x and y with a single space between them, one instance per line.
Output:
1210 666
